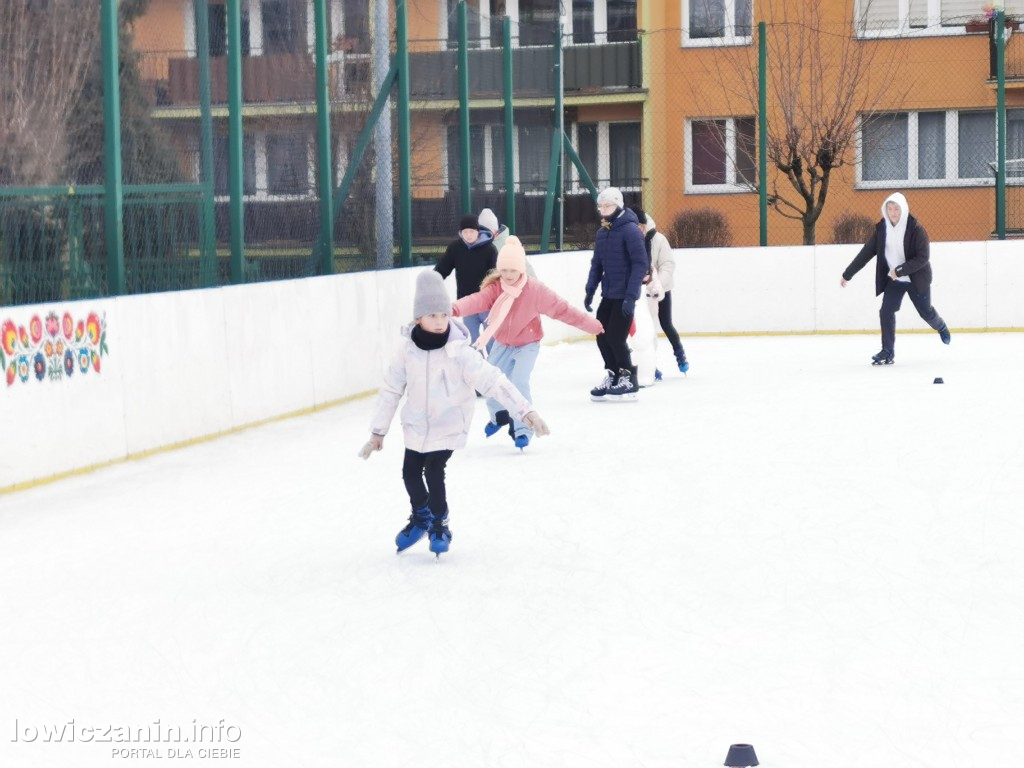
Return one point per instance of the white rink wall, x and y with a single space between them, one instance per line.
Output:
182 366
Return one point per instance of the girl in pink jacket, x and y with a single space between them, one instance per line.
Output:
516 301
436 370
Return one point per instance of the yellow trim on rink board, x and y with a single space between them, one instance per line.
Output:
175 446
323 406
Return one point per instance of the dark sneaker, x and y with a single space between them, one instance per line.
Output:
885 357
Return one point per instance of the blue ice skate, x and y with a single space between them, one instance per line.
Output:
521 441
419 522
501 418
440 536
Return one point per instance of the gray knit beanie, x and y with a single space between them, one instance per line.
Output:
431 295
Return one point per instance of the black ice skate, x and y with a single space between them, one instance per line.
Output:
625 388
598 393
885 357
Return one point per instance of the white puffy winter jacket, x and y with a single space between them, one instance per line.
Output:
439 386
663 262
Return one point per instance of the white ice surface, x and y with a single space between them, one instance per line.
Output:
788 547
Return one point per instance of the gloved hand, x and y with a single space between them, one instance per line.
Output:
375 443
536 423
628 305
588 302
455 311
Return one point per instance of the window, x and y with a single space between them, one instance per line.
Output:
621 21
284 26
538 20
476 157
624 155
287 164
486 156
722 154
711 22
218 29
885 148
221 165
610 152
879 17
583 21
586 148
534 157
933 149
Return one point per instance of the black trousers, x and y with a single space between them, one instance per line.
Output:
418 467
665 320
612 343
892 298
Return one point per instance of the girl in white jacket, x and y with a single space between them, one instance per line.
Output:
437 370
659 293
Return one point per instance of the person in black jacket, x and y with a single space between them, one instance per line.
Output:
900 247
472 255
619 265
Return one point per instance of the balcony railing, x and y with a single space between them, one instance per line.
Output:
290 78
587 69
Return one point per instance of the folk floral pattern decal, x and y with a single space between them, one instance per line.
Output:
53 347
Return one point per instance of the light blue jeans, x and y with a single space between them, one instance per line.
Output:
473 324
517 364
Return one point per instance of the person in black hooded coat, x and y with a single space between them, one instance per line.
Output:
471 255
900 247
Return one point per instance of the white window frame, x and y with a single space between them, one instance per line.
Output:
933 26
730 23
490 184
262 193
731 186
602 177
952 158
512 11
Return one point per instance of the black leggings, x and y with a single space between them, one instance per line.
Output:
612 343
430 466
665 320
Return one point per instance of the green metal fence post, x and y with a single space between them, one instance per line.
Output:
465 171
510 160
762 131
556 146
208 260
114 192
323 137
404 152
236 164
1000 33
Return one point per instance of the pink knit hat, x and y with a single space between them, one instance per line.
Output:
512 255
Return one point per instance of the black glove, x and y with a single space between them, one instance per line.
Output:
588 301
628 305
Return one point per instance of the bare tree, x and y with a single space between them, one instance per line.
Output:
823 85
46 48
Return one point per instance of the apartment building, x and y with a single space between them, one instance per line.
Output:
652 112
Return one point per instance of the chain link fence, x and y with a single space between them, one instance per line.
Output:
669 116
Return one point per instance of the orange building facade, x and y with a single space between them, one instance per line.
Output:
654 104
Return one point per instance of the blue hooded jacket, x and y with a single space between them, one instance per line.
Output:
620 259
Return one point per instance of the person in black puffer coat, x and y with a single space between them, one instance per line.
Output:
471 255
619 265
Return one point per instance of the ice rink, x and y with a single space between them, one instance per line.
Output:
789 548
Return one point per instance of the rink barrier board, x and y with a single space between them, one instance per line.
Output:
191 366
